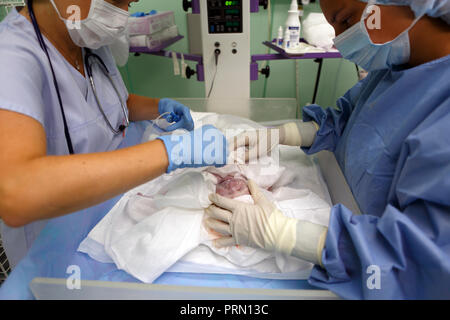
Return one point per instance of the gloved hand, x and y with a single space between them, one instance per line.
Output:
206 146
261 142
262 225
183 112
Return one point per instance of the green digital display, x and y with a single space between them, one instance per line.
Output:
225 16
232 3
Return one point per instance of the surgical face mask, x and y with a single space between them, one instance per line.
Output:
104 24
355 45
120 49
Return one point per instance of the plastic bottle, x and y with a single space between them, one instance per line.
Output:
293 24
280 36
287 40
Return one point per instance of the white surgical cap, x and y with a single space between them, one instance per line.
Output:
432 8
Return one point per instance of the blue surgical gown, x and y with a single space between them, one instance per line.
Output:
26 87
391 137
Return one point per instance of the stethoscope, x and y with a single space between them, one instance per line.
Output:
89 59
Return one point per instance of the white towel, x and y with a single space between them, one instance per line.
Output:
318 32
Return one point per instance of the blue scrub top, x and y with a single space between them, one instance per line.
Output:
391 137
26 87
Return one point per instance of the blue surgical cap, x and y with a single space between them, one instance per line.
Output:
432 8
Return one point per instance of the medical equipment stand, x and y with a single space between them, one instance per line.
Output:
225 32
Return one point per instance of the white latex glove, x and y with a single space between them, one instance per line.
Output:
262 225
260 142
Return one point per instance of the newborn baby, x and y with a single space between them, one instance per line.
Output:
231 186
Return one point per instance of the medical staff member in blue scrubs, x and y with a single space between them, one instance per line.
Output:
391 136
58 151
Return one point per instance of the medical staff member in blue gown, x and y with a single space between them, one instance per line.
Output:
58 150
391 136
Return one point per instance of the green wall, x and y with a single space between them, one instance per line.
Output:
153 76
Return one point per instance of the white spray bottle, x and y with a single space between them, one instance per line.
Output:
293 24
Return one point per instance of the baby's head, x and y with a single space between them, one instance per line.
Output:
231 187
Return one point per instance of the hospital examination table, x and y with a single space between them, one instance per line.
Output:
44 272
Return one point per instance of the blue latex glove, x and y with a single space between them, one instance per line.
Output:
183 113
138 14
206 146
143 14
